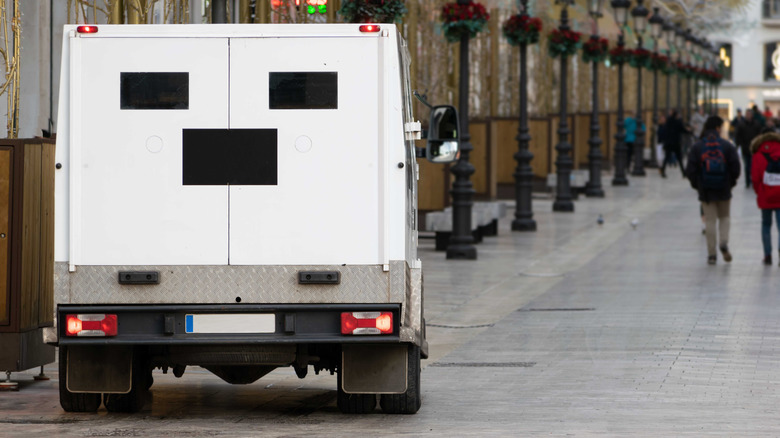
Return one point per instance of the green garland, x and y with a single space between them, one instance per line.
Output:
595 50
563 42
458 20
372 11
640 58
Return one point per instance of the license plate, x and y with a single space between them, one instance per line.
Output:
231 323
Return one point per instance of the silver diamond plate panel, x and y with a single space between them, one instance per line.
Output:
397 281
412 330
223 284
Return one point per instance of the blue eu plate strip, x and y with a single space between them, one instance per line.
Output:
188 323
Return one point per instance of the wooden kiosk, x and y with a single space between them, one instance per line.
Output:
26 252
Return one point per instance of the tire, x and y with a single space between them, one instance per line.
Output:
354 403
134 400
410 401
74 401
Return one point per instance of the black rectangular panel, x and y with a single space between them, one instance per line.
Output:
155 91
229 157
303 90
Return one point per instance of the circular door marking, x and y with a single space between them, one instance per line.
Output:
154 144
303 144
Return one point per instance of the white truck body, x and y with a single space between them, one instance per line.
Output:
229 161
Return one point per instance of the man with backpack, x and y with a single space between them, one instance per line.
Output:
766 183
713 169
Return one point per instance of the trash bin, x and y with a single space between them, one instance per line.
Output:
26 252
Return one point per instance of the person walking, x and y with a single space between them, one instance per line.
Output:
746 130
660 138
697 123
673 132
766 183
713 170
629 123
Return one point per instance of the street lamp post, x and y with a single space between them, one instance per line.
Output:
656 31
620 9
563 163
461 241
523 173
668 31
679 41
688 49
639 13
593 188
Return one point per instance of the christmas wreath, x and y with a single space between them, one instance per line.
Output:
684 70
619 55
595 49
458 20
563 42
640 58
372 11
658 62
522 29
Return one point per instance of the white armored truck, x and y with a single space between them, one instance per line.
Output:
240 198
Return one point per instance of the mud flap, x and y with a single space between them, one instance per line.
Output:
374 369
99 368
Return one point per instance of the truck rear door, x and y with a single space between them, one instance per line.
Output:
320 97
132 200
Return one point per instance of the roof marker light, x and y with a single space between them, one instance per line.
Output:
369 28
87 29
366 323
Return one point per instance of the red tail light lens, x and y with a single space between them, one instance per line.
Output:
369 28
366 323
87 29
91 325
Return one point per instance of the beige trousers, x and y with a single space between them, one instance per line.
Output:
716 211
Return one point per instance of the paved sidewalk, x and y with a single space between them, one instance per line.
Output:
577 329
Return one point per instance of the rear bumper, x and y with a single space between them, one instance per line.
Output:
166 324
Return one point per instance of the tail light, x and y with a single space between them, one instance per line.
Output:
369 28
91 325
87 29
366 323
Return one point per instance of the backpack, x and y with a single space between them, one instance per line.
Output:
714 175
772 179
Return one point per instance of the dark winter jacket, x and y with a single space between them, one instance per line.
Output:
661 134
766 196
746 132
674 131
694 168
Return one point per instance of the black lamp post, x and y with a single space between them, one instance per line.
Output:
563 162
639 13
698 63
679 43
688 49
668 31
656 31
593 188
523 173
705 85
461 241
620 9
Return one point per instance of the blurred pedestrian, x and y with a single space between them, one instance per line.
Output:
660 137
713 169
766 183
673 132
630 125
746 130
697 123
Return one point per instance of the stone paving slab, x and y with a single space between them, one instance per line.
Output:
575 330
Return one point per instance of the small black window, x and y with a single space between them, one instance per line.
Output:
303 90
155 91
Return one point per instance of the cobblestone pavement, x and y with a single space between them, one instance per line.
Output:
575 330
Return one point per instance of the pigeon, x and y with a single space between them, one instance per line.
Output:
600 220
634 223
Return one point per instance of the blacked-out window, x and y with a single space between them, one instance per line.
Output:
229 157
155 91
303 90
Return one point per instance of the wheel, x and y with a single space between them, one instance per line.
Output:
134 400
354 403
74 401
409 402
